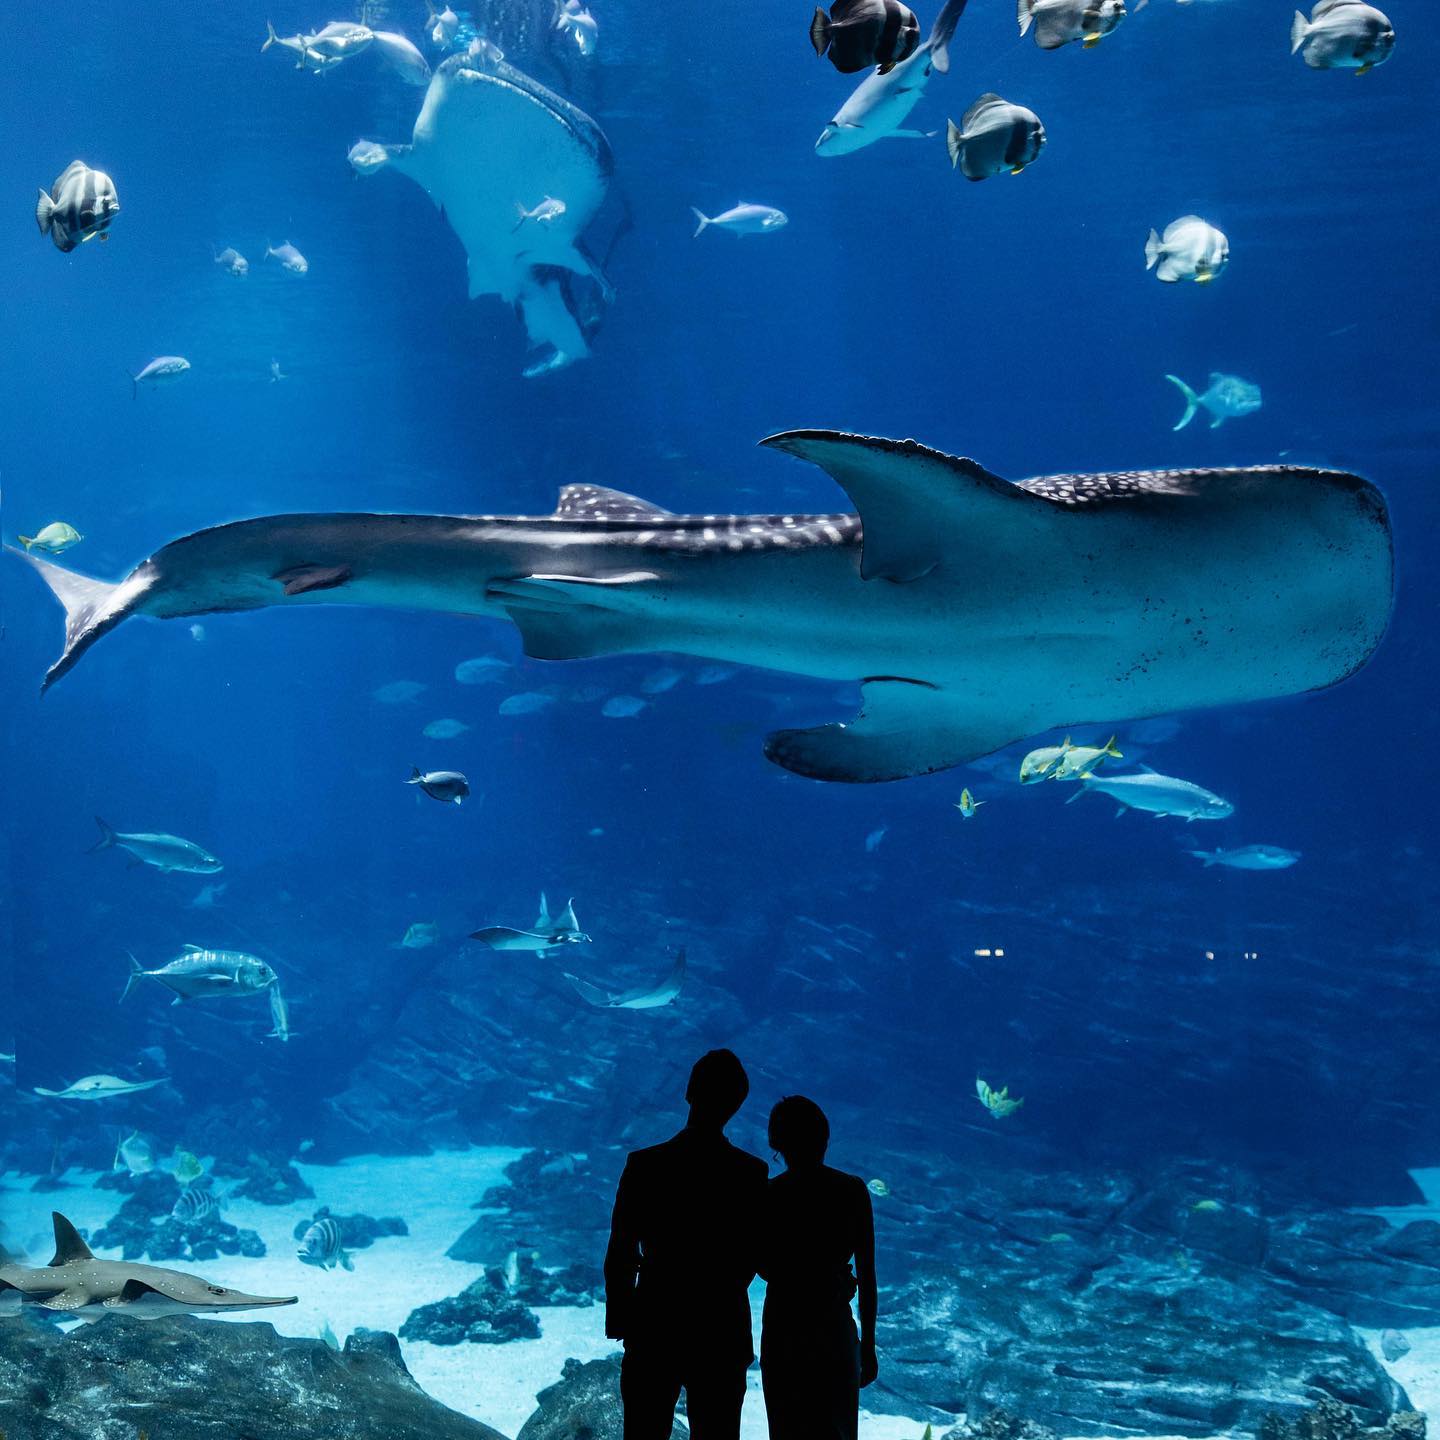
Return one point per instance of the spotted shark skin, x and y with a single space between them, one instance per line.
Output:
973 611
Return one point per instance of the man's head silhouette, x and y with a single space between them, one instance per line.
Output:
717 1089
799 1132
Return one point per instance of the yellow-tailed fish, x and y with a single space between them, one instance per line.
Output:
998 1102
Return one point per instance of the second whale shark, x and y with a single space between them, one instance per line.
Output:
973 611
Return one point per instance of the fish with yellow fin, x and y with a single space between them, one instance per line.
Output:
1041 764
998 1102
1080 761
967 804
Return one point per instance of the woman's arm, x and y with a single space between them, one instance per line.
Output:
868 1298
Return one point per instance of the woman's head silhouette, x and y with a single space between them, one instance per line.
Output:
799 1132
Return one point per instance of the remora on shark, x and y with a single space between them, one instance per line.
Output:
973 611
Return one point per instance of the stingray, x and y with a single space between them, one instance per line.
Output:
650 997
490 139
80 1286
972 611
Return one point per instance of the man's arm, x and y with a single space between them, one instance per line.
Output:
868 1298
622 1258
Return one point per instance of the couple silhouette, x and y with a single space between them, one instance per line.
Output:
695 1220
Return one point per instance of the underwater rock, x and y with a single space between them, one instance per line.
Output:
1359 1267
190 1379
483 1313
1328 1419
271 1183
144 1228
357 1232
555 1203
584 1404
999 1425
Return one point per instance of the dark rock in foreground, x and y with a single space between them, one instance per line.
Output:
584 1404
483 1313
1330 1420
207 1380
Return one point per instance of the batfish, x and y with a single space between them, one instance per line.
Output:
488 137
650 997
973 611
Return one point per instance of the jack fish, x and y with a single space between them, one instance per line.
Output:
163 852
198 974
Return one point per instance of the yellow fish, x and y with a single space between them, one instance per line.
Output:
1207 1207
1079 761
1040 764
997 1102
968 804
877 1187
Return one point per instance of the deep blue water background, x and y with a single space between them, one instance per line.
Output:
1011 321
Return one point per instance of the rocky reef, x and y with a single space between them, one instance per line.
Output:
483 1313
192 1379
145 1229
357 1232
584 1404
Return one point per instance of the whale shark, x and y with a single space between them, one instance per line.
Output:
973 611
489 138
85 1288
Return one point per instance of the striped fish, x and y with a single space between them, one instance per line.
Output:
323 1245
79 206
194 1205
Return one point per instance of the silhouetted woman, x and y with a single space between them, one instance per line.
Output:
816 1221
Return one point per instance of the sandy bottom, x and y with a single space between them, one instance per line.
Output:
493 1383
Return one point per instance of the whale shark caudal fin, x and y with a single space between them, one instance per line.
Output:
68 1244
92 607
913 501
1192 400
905 728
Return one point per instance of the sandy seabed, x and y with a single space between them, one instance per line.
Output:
434 1194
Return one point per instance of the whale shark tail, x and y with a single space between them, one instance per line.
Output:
1191 400
92 608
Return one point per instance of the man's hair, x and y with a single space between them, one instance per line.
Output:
718 1085
799 1130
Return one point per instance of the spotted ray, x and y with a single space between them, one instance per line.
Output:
973 611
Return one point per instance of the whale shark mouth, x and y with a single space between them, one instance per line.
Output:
973 611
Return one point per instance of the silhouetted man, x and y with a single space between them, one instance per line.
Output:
680 1262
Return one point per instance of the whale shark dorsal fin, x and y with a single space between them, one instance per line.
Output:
68 1244
597 502
904 728
904 493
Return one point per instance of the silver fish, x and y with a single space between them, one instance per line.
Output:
365 156
194 1205
81 204
1343 35
1226 397
322 1245
200 974
289 257
1159 794
339 40
574 20
402 57
162 370
743 219
448 786
1190 249
1249 857
994 136
163 852
279 1015
1058 22
133 1154
232 262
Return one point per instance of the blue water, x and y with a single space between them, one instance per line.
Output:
1011 321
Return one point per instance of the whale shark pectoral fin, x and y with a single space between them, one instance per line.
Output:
575 617
302 579
916 504
905 728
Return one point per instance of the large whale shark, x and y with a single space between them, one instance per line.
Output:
973 611
490 140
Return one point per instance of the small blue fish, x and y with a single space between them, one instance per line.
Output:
1226 398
